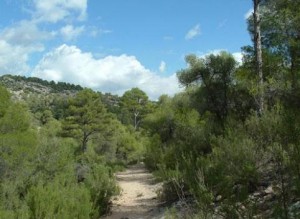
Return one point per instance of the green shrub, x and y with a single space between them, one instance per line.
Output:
99 180
59 200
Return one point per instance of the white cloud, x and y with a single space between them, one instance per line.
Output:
17 43
192 33
25 37
238 56
13 59
69 32
211 52
162 66
24 33
57 10
248 13
114 74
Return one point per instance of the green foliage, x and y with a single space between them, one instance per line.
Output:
280 30
55 155
130 146
17 140
59 200
41 175
234 163
16 119
4 100
134 105
112 102
154 152
86 116
178 135
206 143
214 74
171 214
100 183
264 130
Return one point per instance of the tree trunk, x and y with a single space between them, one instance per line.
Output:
84 142
258 55
136 122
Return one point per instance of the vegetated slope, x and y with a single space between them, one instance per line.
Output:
32 84
22 88
58 151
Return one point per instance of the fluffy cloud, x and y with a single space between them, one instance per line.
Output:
13 59
114 74
17 43
162 66
69 32
192 33
56 10
25 37
24 33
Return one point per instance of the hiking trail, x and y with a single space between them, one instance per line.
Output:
138 197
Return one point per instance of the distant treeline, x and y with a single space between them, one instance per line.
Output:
56 86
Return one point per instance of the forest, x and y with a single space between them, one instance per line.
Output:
228 146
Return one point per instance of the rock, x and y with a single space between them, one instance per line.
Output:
256 194
261 202
218 209
269 190
251 197
218 198
242 207
269 197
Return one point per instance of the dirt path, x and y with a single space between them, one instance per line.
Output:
138 198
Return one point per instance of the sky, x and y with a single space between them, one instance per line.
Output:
115 45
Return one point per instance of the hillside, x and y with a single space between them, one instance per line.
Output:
21 85
59 147
22 88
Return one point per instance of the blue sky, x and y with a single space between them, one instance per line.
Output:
114 45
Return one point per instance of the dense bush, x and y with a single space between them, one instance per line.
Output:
46 175
216 149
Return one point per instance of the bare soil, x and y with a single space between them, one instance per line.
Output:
138 198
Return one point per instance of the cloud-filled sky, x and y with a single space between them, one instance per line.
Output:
112 46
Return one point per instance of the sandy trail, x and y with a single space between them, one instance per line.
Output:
138 198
